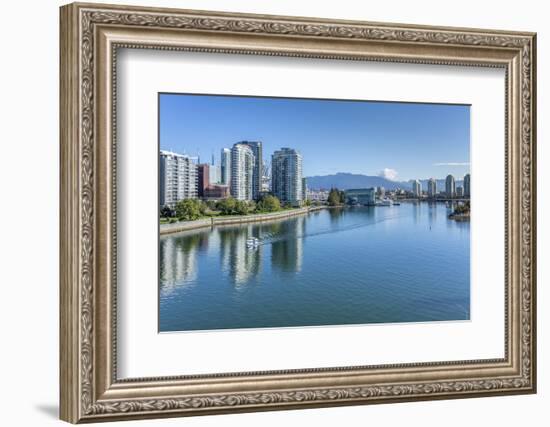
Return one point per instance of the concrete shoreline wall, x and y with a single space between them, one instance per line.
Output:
233 220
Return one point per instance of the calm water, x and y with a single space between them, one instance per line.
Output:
405 263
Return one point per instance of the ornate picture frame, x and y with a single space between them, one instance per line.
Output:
90 37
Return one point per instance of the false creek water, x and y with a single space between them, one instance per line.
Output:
359 265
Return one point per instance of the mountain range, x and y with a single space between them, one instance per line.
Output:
346 181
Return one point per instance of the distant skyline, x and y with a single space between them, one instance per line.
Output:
400 141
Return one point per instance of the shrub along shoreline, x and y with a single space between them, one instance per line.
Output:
461 212
237 219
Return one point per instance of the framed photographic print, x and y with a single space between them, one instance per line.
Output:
264 212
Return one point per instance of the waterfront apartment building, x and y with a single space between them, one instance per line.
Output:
361 196
317 195
450 186
432 188
203 178
266 178
216 192
214 175
417 188
209 186
459 191
178 178
242 171
225 165
257 174
286 176
467 185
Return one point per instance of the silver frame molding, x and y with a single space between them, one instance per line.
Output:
90 37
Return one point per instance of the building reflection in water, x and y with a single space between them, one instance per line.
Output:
241 262
432 212
178 260
416 211
287 251
335 214
179 254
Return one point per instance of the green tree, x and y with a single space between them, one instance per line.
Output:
211 204
242 207
227 206
463 208
342 195
202 207
188 209
334 197
268 203
307 202
166 212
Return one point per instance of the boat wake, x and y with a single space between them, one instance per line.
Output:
274 238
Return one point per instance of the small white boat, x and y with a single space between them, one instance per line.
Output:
252 242
386 202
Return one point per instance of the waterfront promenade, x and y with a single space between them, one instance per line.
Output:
235 219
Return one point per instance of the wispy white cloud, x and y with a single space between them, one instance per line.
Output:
452 164
388 173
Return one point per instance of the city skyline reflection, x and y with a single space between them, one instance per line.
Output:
336 266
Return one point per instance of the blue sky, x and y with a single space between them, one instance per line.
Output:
401 141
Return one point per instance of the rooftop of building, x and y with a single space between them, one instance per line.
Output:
172 153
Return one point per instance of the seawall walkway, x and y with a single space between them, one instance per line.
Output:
233 220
